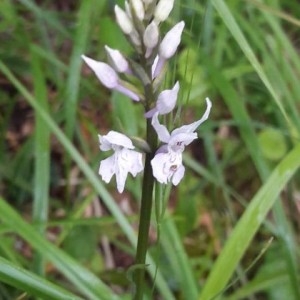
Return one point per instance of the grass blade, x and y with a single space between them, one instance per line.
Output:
249 223
42 159
31 283
86 282
236 32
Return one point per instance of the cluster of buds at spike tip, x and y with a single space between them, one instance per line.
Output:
140 22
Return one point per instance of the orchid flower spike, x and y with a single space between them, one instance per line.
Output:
165 103
123 161
108 77
167 162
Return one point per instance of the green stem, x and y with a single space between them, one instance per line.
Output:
145 216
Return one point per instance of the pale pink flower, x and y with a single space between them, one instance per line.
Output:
167 162
124 160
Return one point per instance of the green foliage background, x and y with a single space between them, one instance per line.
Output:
231 228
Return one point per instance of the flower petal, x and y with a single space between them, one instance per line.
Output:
158 65
123 20
118 139
127 161
138 9
121 176
178 175
134 161
150 113
127 92
105 73
166 165
163 10
179 141
117 59
158 163
192 127
161 130
105 145
170 42
167 100
151 35
107 168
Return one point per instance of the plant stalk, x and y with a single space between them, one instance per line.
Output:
145 217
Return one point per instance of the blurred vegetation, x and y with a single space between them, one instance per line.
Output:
58 221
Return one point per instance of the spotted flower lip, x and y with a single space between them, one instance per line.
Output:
124 160
167 162
168 167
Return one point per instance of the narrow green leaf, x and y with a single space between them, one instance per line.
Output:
86 282
178 258
249 223
31 283
42 158
43 15
72 84
236 32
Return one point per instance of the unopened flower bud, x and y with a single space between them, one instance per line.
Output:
117 60
151 35
165 103
170 42
109 78
138 9
123 20
128 10
105 73
135 38
166 100
163 10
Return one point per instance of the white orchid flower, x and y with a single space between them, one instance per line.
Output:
109 77
167 162
124 160
165 103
